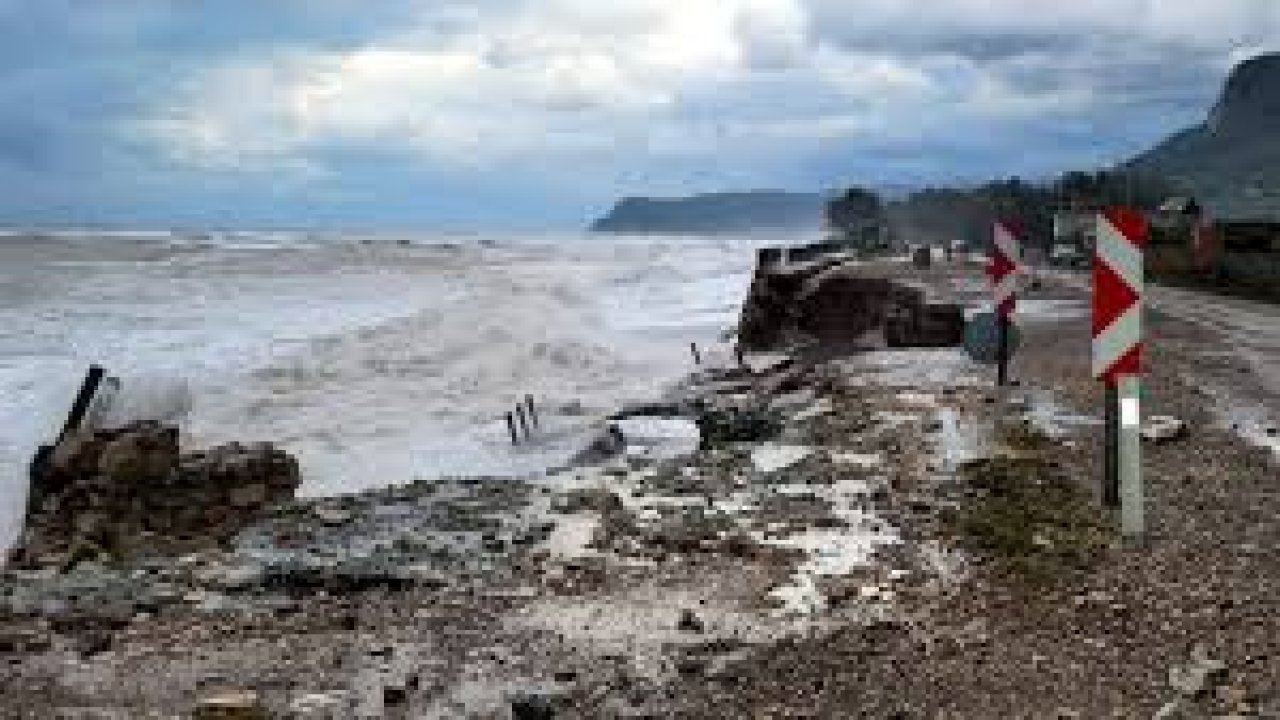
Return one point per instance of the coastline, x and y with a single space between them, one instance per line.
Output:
814 568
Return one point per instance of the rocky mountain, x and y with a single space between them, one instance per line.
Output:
1232 160
715 213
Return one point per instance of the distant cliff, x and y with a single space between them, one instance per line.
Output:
1232 160
715 213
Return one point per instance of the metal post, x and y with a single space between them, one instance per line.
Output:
1129 456
87 390
511 427
1110 446
697 357
524 421
533 412
1002 362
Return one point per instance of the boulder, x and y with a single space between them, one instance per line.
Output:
119 492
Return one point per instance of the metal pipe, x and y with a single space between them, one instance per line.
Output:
533 412
511 427
81 405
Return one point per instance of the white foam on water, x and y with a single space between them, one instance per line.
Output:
375 360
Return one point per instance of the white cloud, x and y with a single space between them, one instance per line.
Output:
582 88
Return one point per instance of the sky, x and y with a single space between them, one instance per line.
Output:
540 113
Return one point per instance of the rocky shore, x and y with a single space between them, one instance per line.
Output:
810 534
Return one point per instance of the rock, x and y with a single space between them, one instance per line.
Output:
231 577
25 637
247 496
1233 697
769 457
1163 428
533 707
717 426
331 516
238 705
690 622
128 491
319 706
1195 679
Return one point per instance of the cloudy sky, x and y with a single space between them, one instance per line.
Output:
538 113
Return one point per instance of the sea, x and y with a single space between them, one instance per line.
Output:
375 358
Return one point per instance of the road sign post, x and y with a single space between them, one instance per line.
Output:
1006 254
983 338
1117 357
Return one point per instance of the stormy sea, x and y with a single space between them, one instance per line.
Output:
376 359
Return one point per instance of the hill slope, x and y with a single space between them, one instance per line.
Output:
1232 160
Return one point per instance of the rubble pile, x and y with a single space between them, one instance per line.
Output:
829 300
115 493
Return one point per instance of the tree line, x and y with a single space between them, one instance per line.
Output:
947 214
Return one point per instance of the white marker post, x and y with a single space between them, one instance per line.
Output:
1132 522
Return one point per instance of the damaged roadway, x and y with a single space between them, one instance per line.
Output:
876 533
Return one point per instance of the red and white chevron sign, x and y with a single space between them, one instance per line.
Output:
1117 294
1006 255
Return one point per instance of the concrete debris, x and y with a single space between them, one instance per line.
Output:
237 705
769 457
117 493
1199 676
1163 428
320 706
659 437
833 303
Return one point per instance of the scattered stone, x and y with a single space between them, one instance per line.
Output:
1163 428
332 516
1197 677
770 458
690 622
533 707
732 425
319 706
238 705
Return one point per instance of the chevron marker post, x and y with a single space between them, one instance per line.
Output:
1117 356
1003 269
